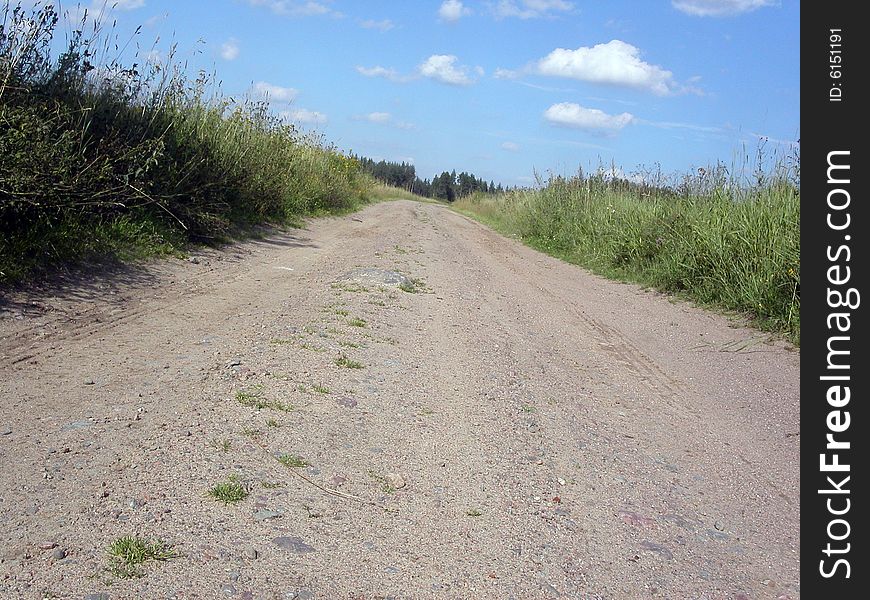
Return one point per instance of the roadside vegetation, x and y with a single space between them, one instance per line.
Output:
715 238
103 156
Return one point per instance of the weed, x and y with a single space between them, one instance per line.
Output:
381 479
357 322
321 389
527 408
269 485
313 348
229 492
222 445
282 341
341 312
473 513
289 460
346 344
251 433
254 399
272 423
343 361
128 553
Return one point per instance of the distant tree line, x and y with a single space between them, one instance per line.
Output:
446 186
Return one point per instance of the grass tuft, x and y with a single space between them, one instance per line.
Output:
347 363
289 460
128 553
229 492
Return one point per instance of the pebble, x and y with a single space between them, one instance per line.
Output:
293 544
338 480
6 431
347 402
58 554
229 590
299 595
89 382
252 553
136 503
395 480
264 514
47 545
234 576
391 570
97 596
719 526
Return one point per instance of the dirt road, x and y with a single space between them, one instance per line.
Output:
509 426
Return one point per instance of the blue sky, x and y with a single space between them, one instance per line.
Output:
503 88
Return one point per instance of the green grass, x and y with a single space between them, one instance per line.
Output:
289 460
229 492
343 361
254 398
272 423
142 162
127 554
357 322
706 237
222 445
320 389
474 513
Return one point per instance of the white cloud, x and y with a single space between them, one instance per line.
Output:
297 8
510 146
384 118
230 49
530 9
505 74
378 117
443 68
719 8
302 115
275 93
452 10
379 71
614 63
384 25
568 114
98 10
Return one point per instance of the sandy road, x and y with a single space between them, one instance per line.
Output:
557 435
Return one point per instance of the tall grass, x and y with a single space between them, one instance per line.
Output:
101 158
717 241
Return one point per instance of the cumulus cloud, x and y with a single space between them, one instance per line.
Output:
275 93
510 146
719 8
568 114
302 115
530 9
443 68
384 25
452 10
614 63
230 49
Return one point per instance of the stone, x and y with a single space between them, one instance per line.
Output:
58 554
229 590
347 402
97 596
76 425
299 595
265 514
395 481
292 543
5 430
47 545
252 553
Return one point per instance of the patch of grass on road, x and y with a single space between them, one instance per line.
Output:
127 554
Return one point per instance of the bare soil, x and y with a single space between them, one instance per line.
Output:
518 428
